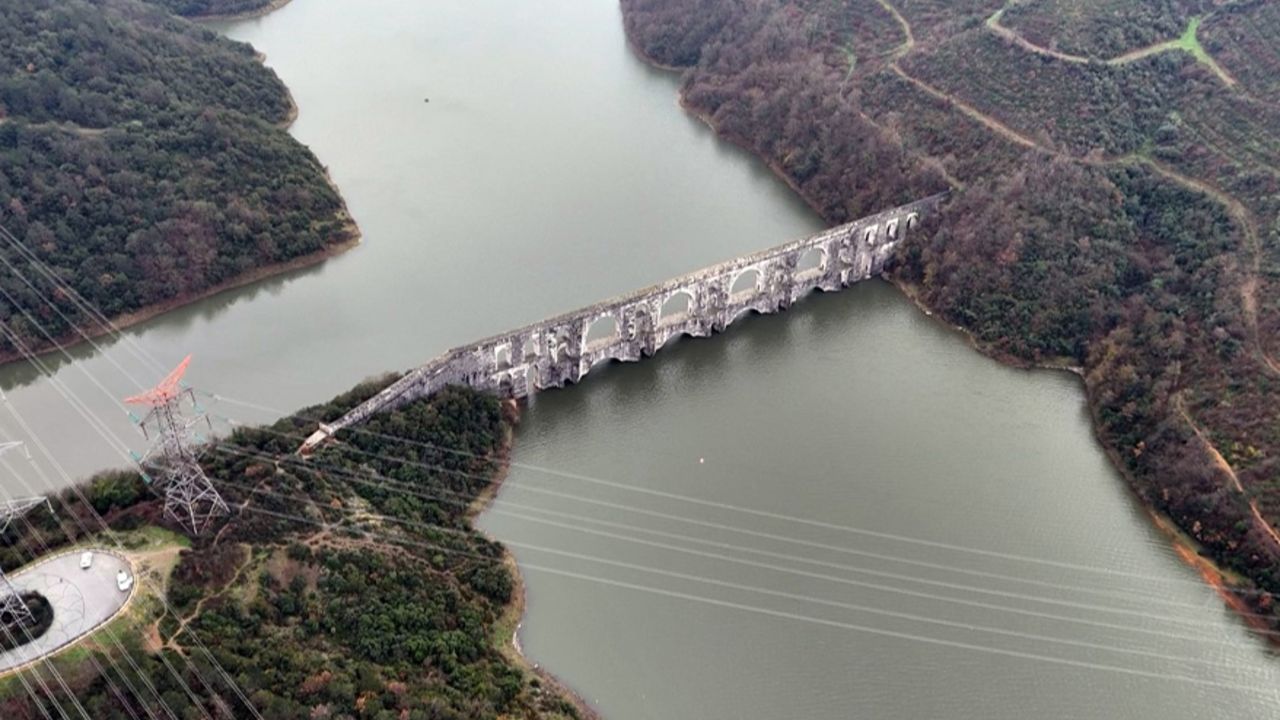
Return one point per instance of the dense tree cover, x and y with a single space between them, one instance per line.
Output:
1241 36
111 62
1100 28
141 158
1078 106
798 88
930 19
333 592
1120 219
213 8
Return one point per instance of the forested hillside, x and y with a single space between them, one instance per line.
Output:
216 8
350 585
143 159
1101 28
1119 215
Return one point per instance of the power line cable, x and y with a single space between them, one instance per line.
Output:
88 308
1269 693
1015 557
106 628
776 568
97 424
500 507
771 536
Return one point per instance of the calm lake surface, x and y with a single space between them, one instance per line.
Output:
815 515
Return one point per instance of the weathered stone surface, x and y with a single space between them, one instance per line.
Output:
562 350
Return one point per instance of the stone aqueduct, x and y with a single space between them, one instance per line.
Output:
563 349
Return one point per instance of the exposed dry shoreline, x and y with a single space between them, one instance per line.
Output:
1221 580
508 625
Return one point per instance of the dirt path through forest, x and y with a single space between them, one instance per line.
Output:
1221 463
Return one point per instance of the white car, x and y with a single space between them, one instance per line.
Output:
86 560
124 581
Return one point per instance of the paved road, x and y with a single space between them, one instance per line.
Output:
82 600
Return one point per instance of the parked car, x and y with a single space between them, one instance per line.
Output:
86 560
124 581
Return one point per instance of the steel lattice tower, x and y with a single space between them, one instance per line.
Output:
189 496
13 611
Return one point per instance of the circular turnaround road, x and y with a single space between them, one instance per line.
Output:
82 600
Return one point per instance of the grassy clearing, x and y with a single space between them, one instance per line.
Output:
1188 42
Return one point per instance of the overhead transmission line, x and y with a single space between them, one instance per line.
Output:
86 413
1006 556
104 432
75 489
88 308
500 507
1270 693
44 550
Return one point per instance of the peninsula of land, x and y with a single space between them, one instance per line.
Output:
145 162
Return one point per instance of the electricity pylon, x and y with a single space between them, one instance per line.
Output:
13 611
189 496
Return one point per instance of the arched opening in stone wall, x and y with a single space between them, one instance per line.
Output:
747 283
676 306
602 330
748 310
531 349
502 357
891 229
812 260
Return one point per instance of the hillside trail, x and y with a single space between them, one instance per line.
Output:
1182 43
1221 463
1013 36
184 621
1236 209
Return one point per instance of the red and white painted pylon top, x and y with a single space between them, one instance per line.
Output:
165 391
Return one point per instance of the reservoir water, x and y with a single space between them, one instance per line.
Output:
842 511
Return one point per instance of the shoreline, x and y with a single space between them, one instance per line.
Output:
506 635
77 336
1183 545
705 119
246 15
1226 583
120 323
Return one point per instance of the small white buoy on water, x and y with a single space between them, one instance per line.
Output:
701 460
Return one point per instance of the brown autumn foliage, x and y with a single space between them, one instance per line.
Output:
1120 219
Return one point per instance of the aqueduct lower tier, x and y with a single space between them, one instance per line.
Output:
563 349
